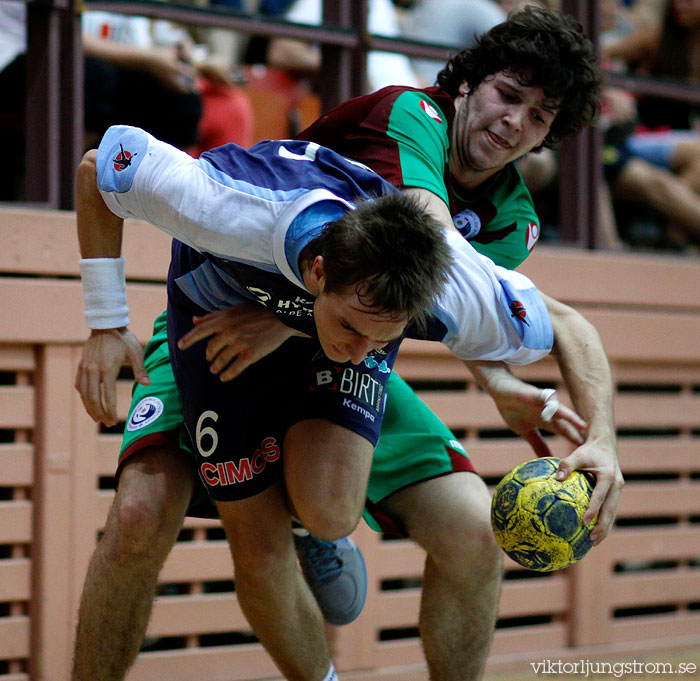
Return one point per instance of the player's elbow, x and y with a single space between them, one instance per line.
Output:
87 168
568 322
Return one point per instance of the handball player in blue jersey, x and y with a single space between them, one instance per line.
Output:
285 225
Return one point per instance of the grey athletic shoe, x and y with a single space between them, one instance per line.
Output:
335 572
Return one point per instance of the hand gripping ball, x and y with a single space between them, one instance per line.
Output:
538 520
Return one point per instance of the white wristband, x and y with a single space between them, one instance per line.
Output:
104 293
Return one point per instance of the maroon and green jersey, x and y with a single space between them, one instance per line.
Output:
405 135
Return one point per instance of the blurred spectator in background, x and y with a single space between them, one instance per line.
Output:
637 185
670 51
652 151
132 79
13 41
227 113
257 45
137 71
152 75
455 23
383 68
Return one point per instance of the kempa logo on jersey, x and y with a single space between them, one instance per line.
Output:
348 381
468 223
229 472
145 413
263 296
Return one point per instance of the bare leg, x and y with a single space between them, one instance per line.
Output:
142 526
326 469
449 517
609 238
538 169
271 591
685 161
658 188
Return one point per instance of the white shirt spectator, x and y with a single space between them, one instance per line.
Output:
456 23
13 31
383 68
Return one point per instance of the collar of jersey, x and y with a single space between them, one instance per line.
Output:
285 220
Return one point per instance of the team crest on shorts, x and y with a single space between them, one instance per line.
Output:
145 413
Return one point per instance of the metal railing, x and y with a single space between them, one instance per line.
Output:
54 121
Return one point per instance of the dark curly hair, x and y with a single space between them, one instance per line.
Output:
541 48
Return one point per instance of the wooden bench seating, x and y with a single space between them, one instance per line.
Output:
639 592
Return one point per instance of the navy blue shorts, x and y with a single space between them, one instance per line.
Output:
238 428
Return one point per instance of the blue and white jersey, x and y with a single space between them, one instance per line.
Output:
242 217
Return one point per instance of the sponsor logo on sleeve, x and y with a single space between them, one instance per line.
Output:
260 294
123 159
300 307
533 233
517 310
430 110
381 366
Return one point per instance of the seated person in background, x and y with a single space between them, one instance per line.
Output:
669 136
455 23
652 153
383 68
634 180
130 79
12 84
150 73
227 112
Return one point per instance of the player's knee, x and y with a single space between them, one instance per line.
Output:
472 554
138 528
147 513
330 521
464 540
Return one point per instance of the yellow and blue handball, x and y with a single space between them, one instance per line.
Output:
538 520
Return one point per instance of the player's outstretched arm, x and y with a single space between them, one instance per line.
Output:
586 373
110 344
528 409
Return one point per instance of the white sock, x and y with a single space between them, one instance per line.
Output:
331 676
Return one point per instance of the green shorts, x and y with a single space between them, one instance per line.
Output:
155 416
414 445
